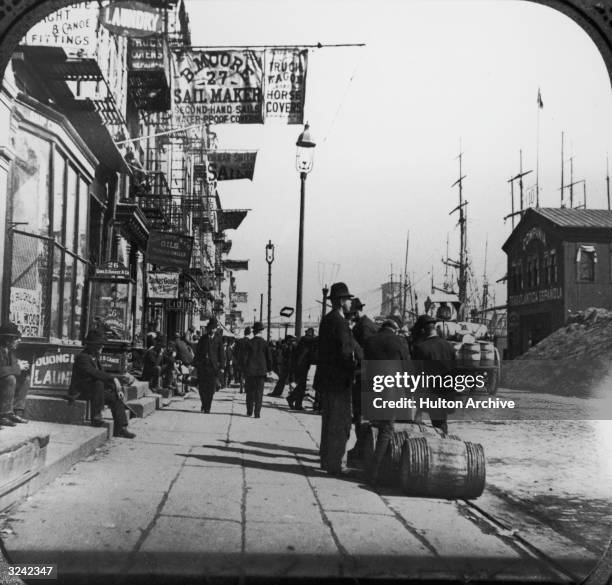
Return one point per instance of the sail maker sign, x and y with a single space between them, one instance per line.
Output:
130 18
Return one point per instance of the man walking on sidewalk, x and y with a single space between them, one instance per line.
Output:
336 370
258 362
304 358
90 382
209 360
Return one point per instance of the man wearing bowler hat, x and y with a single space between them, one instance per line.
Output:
335 367
90 382
209 360
438 358
258 362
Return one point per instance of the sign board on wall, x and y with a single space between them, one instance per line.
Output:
25 311
163 285
169 249
53 369
72 28
147 54
131 18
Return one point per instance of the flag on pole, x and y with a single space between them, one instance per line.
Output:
540 102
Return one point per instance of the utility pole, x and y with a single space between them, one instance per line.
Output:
608 183
260 307
562 166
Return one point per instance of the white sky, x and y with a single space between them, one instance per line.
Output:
432 72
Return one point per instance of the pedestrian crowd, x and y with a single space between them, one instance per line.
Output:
213 360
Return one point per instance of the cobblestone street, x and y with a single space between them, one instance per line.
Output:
226 495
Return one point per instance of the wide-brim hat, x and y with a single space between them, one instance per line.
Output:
339 290
257 327
212 323
356 304
390 324
10 330
95 337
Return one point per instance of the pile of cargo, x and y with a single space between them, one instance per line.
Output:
575 360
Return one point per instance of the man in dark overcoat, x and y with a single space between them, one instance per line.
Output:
392 349
363 329
90 382
304 355
437 357
240 353
209 360
335 366
258 362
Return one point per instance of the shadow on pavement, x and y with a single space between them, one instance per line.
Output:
260 453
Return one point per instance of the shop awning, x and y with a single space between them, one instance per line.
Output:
230 219
236 264
88 123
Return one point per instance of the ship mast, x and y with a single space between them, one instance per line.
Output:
462 264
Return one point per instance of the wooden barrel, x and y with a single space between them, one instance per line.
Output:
487 353
470 354
442 468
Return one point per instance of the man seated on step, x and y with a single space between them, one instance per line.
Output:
14 378
90 382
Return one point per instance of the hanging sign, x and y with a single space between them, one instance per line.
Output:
147 54
285 84
163 285
228 165
169 249
239 297
133 19
218 87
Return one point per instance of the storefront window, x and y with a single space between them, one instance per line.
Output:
83 215
81 270
54 323
29 278
139 309
68 306
71 200
111 309
30 183
59 179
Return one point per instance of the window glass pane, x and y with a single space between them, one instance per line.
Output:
30 183
56 293
81 269
83 215
110 309
67 300
59 166
71 196
28 284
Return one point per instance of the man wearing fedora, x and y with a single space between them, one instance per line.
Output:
209 360
90 382
336 368
14 379
258 362
438 358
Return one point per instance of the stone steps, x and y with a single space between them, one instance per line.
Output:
33 455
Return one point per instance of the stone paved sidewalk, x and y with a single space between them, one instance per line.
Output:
223 494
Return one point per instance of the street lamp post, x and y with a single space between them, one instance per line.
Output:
269 260
303 163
